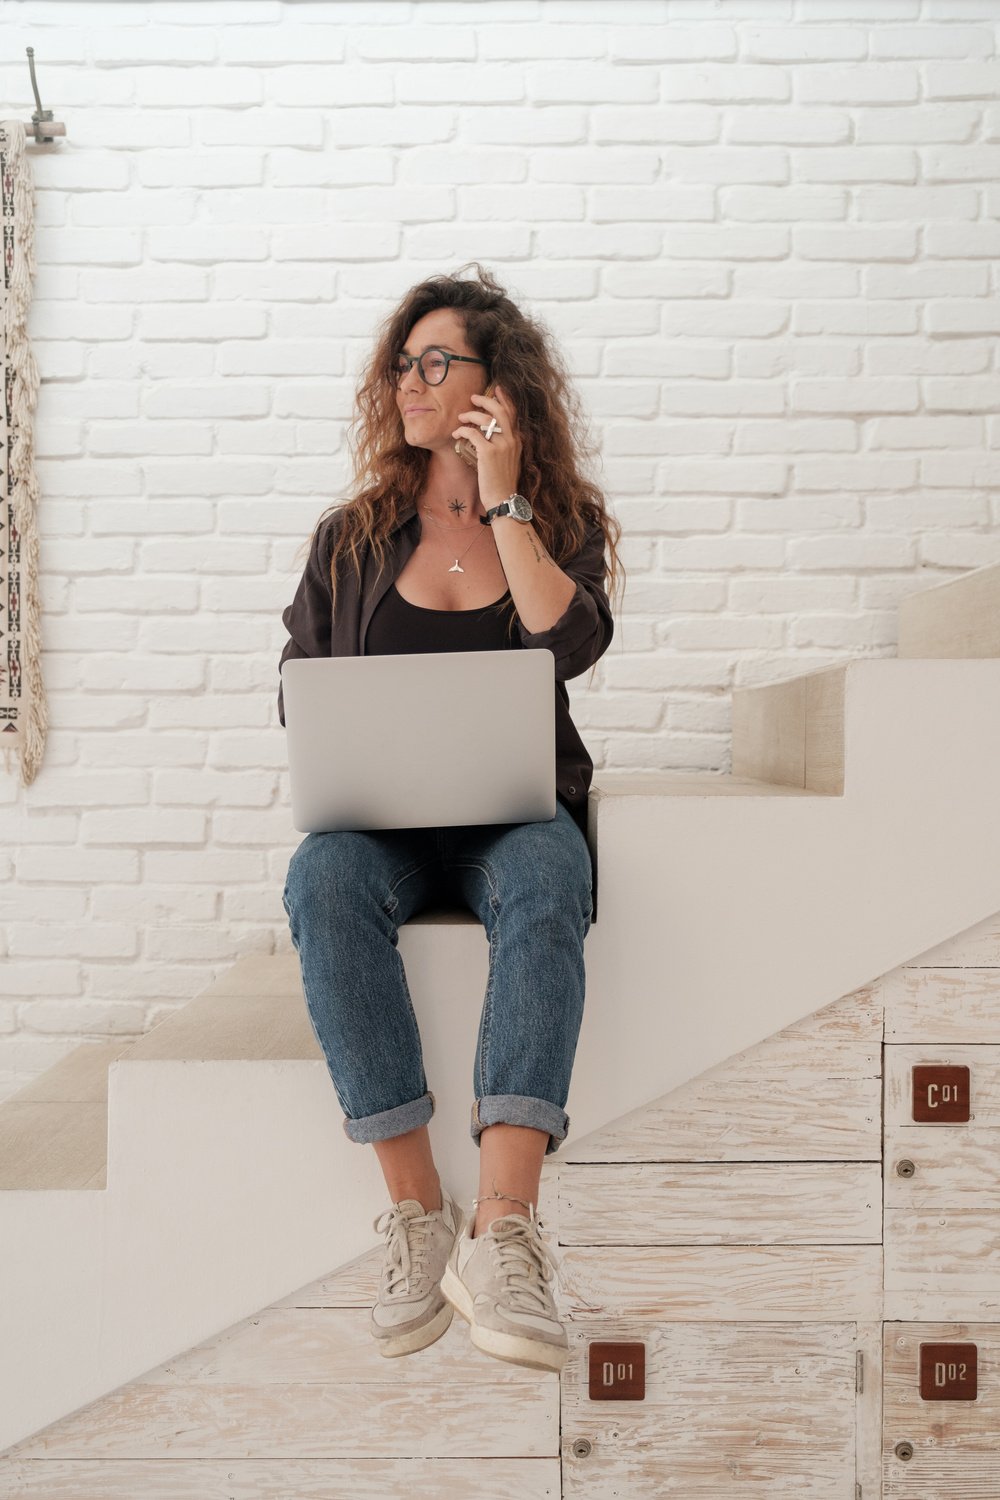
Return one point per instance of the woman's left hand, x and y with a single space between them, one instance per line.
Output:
499 461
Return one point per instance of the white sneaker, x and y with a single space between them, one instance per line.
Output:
411 1312
500 1282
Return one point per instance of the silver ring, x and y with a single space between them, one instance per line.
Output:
491 429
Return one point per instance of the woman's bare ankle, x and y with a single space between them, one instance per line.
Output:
409 1169
430 1199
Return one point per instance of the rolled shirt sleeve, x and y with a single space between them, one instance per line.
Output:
584 630
309 617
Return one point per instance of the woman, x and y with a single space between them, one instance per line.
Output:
380 580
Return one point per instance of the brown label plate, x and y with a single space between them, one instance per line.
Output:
941 1093
617 1372
948 1372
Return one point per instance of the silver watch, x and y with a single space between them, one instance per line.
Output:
515 505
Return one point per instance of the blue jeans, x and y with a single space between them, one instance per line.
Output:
347 894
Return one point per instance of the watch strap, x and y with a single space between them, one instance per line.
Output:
503 509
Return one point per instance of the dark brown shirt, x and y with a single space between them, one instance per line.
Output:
578 638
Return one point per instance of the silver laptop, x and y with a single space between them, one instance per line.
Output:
423 740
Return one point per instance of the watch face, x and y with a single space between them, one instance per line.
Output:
520 507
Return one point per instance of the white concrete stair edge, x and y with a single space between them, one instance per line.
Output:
721 920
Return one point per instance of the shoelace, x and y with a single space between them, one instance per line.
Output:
524 1257
403 1259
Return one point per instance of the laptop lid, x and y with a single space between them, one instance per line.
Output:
420 740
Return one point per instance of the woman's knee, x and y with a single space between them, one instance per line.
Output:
553 872
325 864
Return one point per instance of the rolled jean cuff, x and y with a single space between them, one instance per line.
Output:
520 1109
390 1122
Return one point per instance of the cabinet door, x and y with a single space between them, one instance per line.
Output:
941 1411
941 1188
735 1409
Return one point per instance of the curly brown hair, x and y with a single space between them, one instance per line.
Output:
390 473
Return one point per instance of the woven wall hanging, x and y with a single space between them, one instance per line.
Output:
23 710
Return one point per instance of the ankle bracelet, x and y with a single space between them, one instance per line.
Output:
503 1198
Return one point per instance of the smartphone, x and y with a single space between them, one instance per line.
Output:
466 449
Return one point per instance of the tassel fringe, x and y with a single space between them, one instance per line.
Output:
22 485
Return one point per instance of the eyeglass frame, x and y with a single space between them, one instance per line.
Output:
418 359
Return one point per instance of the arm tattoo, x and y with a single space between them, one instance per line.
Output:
539 549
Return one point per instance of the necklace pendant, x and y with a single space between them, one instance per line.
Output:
456 568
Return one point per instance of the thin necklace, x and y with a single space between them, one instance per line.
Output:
457 568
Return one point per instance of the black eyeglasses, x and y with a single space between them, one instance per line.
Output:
432 365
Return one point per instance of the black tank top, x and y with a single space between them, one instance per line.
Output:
398 627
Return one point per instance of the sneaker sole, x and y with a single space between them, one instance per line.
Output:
517 1351
391 1345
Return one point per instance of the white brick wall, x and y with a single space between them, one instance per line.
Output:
764 232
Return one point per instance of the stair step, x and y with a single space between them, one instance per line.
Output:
79 1077
54 1131
689 784
791 732
957 618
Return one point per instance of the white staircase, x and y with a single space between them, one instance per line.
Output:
153 1194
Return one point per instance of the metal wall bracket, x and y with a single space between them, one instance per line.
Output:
43 127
